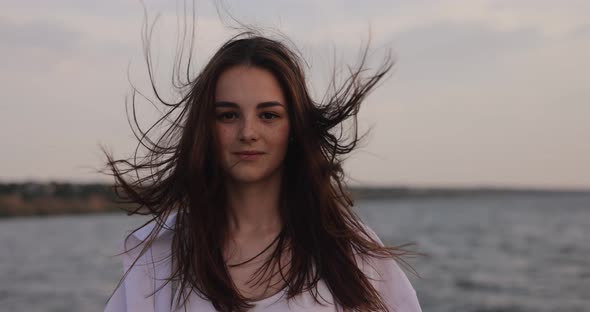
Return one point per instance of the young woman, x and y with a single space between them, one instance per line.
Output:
245 187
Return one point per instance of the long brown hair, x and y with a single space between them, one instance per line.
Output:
181 173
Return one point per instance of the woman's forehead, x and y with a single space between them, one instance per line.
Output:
248 85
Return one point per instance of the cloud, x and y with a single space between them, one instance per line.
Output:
37 34
449 50
480 86
35 47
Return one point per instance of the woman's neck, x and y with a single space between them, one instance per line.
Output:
254 207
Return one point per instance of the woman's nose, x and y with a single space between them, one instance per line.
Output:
249 130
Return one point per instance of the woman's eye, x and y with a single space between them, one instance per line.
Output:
227 116
268 115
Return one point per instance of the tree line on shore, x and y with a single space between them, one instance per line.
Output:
52 198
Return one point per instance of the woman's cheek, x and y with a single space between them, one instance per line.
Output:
225 135
282 133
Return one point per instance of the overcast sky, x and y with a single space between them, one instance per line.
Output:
484 93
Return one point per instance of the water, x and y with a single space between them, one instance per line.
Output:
514 253
502 253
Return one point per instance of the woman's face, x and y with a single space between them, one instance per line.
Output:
251 124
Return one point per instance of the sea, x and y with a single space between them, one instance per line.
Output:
480 253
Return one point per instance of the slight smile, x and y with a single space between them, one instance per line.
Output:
249 155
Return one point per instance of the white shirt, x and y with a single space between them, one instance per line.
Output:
150 273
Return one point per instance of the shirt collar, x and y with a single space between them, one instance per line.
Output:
145 231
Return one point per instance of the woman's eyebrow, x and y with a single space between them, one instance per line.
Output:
227 104
268 104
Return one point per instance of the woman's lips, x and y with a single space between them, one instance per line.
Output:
249 155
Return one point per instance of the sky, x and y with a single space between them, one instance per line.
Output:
482 94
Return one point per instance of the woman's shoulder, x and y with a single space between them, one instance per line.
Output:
148 245
145 269
157 231
389 279
161 228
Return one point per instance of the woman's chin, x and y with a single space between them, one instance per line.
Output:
247 177
252 176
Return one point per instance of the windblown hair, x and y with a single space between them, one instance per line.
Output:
181 172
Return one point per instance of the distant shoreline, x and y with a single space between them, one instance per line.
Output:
57 198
